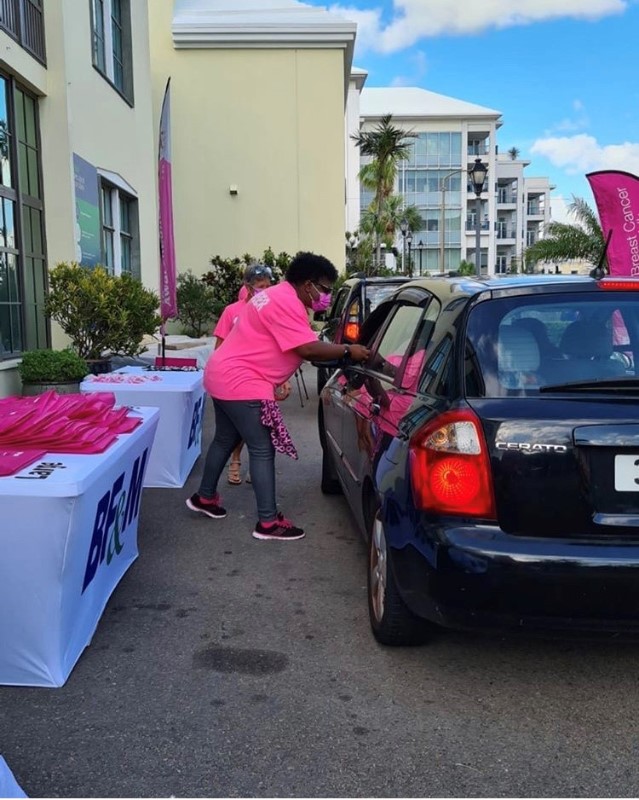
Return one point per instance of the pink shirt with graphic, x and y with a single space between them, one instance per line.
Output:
228 318
258 353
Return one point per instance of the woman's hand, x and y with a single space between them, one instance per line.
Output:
283 391
358 352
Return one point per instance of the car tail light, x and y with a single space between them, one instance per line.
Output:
450 467
351 327
619 284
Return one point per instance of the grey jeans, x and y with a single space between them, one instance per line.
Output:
236 421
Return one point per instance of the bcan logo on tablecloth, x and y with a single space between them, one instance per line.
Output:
196 423
117 509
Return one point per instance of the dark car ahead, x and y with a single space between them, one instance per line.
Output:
356 298
489 451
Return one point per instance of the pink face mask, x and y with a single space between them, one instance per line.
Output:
322 302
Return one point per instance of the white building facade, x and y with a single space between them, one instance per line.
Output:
450 135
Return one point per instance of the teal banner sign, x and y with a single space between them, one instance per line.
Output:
87 213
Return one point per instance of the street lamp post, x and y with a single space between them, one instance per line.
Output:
421 247
409 241
404 228
352 246
477 174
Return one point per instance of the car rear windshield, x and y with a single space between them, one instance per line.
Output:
376 294
530 344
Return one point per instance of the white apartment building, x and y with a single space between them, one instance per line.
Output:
450 135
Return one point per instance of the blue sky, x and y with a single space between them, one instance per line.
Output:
564 73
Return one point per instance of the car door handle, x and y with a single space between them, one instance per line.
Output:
375 408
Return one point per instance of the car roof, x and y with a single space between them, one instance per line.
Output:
353 281
469 285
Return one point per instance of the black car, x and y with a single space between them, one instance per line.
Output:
356 298
489 451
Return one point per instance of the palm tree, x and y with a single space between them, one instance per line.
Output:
391 215
514 153
386 145
564 241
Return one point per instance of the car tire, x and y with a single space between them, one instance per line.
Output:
392 622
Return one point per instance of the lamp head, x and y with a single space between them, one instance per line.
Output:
477 174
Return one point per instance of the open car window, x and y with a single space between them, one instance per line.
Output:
394 341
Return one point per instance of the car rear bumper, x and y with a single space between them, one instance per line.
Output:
479 577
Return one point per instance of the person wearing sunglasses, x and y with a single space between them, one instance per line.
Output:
265 347
257 277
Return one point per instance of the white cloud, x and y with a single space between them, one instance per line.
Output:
416 19
419 62
571 124
582 153
559 209
369 24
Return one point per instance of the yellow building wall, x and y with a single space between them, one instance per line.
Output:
270 122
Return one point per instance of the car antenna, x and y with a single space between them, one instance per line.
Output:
600 270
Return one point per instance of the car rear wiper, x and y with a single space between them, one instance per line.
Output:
616 383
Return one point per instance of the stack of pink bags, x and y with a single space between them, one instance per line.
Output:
59 423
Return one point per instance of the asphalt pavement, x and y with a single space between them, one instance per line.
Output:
227 667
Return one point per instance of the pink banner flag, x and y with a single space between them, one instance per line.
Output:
617 197
168 294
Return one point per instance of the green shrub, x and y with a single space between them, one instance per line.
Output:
101 312
226 274
52 366
197 304
466 268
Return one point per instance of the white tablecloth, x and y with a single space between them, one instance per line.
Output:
180 398
68 535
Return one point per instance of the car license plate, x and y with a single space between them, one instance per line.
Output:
627 473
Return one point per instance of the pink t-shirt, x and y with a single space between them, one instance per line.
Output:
243 293
258 353
228 318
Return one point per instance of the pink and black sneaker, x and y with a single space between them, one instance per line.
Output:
281 528
210 507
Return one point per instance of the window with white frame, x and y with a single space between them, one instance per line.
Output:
111 22
120 238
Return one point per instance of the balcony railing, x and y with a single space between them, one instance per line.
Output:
470 225
478 149
24 21
506 197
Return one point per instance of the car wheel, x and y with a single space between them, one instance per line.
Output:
392 622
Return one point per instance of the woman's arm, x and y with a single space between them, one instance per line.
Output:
323 351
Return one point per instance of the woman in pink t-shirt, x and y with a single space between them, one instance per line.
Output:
257 277
268 343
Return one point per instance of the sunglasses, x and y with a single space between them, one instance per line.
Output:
258 272
325 289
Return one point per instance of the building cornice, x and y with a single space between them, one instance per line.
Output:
209 25
300 27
